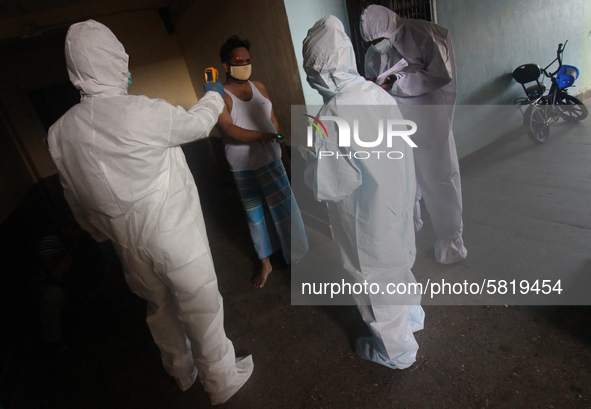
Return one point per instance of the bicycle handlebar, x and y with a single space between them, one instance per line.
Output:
558 58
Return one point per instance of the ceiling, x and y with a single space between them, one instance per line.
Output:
28 18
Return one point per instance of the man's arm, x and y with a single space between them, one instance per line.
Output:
195 123
230 130
436 73
284 153
79 213
71 198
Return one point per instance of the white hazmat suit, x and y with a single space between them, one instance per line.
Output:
426 93
126 179
370 201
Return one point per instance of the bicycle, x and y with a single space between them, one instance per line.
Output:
544 110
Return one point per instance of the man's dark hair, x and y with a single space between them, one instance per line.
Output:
231 44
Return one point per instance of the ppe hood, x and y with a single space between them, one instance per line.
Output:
329 59
96 60
378 22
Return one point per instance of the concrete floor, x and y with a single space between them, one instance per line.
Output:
527 212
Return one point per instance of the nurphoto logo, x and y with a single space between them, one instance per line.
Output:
388 129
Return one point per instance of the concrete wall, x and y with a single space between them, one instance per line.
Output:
157 67
585 79
205 26
156 62
491 39
302 14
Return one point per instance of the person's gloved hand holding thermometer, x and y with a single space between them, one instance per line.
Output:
212 83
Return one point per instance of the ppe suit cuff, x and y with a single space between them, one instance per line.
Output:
449 251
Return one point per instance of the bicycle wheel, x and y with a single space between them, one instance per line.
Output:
571 108
535 123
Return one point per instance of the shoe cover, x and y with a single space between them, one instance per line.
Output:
244 367
417 317
393 343
365 347
449 251
186 382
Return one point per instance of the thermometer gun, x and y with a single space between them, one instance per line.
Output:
211 74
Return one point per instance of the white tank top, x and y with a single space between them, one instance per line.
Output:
254 115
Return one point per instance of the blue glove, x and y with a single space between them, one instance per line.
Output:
215 87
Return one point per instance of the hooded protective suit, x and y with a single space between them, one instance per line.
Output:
426 93
126 179
370 201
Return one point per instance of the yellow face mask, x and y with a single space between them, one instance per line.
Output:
241 72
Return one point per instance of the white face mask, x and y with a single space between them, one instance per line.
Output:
241 72
383 46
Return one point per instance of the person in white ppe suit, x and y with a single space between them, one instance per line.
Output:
370 201
126 179
426 92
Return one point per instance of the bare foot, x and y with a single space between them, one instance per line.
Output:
261 277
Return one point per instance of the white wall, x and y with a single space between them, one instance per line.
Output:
585 79
302 14
491 39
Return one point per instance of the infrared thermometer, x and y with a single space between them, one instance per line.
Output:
211 74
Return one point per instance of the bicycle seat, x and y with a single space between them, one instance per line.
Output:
527 73
535 90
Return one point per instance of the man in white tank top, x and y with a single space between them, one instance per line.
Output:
250 131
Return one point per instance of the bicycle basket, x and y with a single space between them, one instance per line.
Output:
566 76
527 73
